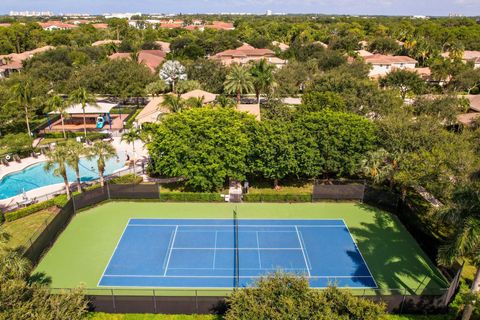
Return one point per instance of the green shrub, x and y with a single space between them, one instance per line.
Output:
20 213
2 217
190 196
132 116
127 179
90 135
58 201
277 198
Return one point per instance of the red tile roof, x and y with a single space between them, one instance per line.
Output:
58 24
151 58
220 25
245 51
100 25
386 59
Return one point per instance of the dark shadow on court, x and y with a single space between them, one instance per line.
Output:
393 256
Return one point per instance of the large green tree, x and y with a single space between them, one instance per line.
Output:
464 243
284 296
404 81
332 143
206 146
273 153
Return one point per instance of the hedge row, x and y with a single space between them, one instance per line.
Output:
58 201
127 179
70 134
277 198
190 196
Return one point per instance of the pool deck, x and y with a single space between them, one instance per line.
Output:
13 167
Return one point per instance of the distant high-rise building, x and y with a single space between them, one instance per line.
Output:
269 12
31 13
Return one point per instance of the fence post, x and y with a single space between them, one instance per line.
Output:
154 302
108 189
196 301
73 203
403 300
113 302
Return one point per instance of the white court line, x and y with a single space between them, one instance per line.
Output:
215 250
279 249
169 246
240 226
303 252
258 248
360 252
170 253
306 251
113 253
229 277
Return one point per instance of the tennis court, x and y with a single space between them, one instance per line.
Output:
226 253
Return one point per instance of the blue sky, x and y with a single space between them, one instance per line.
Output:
386 7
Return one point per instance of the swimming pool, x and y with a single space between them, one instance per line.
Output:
35 176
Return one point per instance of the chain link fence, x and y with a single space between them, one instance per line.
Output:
205 301
202 300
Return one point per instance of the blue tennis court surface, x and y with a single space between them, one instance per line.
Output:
201 253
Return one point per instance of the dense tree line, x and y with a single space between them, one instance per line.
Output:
208 146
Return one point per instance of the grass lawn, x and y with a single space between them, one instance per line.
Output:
22 229
83 250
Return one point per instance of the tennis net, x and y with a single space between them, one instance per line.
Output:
236 260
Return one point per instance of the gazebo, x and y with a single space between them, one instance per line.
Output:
74 121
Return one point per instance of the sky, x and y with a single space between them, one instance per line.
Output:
352 7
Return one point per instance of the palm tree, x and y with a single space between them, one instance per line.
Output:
57 104
75 152
195 102
102 151
173 102
377 166
130 137
83 97
263 80
464 216
23 95
225 102
238 81
12 264
57 161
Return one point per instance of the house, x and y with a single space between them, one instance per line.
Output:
468 56
200 94
473 112
14 62
100 25
56 25
363 53
105 42
151 58
282 46
154 110
247 53
220 25
383 64
164 46
253 109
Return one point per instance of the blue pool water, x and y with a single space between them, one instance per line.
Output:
35 176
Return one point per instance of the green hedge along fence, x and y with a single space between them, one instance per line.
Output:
190 196
58 201
277 198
